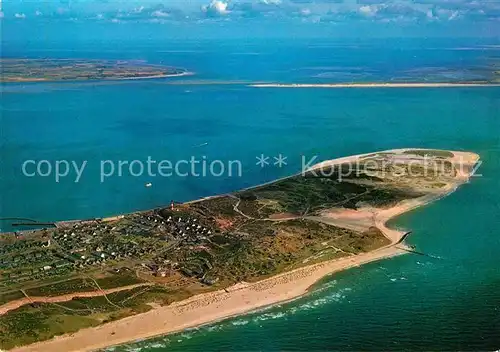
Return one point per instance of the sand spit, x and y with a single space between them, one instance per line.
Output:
374 85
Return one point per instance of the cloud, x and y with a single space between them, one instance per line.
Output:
399 10
368 10
270 2
38 13
444 2
392 12
62 10
242 9
160 13
364 10
216 8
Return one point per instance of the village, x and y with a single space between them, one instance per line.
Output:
153 241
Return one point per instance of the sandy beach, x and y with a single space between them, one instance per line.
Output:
374 85
246 297
201 309
169 75
64 298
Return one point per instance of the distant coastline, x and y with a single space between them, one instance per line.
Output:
168 75
244 297
182 74
16 70
373 85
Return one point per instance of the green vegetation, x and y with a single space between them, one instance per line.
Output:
10 296
62 288
205 245
118 280
304 195
32 70
33 323
86 284
430 153
29 324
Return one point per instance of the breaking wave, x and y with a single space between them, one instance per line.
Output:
320 297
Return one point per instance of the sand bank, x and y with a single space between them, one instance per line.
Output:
243 297
205 308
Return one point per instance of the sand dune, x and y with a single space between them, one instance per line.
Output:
246 297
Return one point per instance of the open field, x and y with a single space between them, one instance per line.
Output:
225 255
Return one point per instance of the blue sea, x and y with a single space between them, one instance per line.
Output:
405 303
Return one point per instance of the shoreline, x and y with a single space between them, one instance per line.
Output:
182 74
42 80
373 85
243 298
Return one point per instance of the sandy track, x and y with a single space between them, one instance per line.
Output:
63 298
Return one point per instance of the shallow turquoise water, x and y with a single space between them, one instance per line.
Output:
405 303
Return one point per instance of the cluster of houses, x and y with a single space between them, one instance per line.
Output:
92 244
26 260
151 238
187 229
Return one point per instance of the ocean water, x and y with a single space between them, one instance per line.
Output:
405 303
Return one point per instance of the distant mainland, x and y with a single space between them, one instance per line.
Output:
47 70
377 85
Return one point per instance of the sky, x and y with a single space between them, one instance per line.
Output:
270 17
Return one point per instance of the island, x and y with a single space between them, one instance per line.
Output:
85 285
40 70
